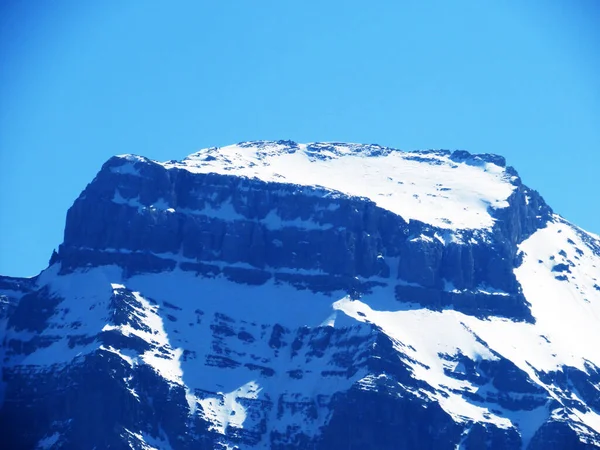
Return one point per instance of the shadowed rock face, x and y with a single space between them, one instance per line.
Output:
208 310
155 219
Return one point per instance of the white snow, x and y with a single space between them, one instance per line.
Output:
144 441
162 357
424 335
567 312
131 360
48 442
440 192
225 410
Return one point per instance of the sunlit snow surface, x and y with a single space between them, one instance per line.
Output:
429 187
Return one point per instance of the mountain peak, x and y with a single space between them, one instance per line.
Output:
328 150
447 189
278 295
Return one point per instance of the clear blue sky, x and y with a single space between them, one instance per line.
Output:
83 80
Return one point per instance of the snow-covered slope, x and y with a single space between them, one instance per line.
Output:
280 295
445 190
559 275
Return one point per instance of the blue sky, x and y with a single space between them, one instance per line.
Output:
84 80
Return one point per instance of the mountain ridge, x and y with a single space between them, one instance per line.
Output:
252 294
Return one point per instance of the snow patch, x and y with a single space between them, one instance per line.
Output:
48 442
225 410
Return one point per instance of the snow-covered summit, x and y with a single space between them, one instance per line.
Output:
446 189
288 296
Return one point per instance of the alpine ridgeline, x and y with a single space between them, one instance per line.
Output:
320 296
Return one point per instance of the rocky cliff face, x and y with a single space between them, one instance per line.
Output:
280 295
